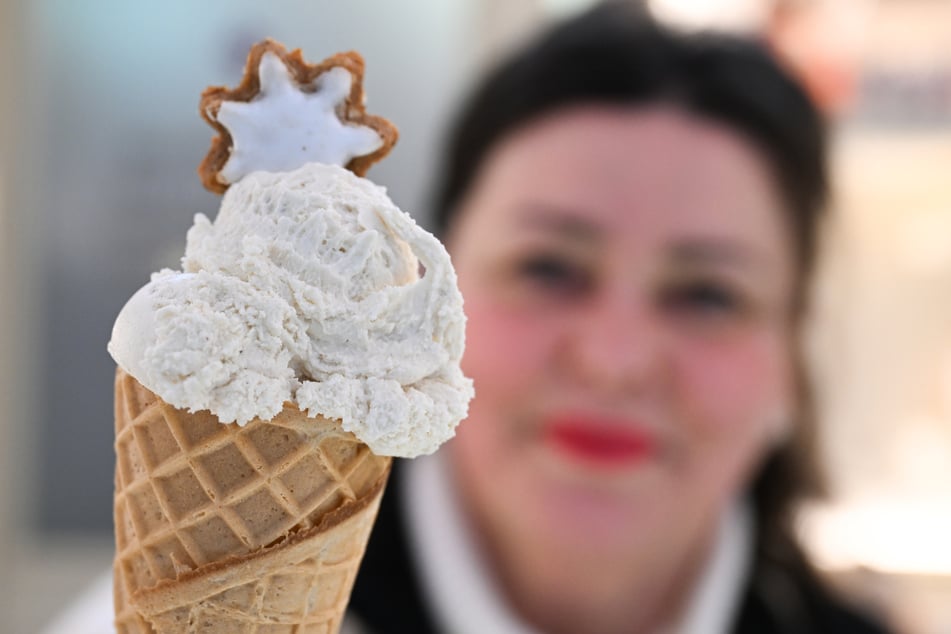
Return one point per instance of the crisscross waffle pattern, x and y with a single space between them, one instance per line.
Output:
196 497
301 586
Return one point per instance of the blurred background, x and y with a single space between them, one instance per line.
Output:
100 137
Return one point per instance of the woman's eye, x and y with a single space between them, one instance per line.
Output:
702 298
554 273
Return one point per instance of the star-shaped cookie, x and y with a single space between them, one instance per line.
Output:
287 112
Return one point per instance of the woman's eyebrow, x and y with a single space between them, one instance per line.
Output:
563 222
717 251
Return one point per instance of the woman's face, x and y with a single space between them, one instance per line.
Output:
627 277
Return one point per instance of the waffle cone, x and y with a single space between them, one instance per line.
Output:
221 528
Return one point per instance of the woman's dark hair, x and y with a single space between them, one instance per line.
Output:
616 54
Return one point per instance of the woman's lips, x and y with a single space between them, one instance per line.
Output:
598 441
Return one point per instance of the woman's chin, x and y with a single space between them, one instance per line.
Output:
595 509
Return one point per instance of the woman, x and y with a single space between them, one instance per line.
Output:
632 216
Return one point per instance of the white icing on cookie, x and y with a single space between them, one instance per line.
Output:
283 127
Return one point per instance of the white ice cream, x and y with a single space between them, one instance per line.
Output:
306 289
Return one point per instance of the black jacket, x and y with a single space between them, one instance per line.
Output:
781 599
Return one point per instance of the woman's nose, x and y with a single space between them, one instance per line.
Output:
615 344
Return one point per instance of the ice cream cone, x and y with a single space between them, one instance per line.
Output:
221 528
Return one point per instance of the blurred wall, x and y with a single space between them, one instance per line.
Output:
6 366
13 301
885 332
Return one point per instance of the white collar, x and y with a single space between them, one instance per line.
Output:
715 602
464 599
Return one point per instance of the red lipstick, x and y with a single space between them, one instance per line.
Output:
600 442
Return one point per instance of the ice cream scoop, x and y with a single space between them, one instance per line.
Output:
306 289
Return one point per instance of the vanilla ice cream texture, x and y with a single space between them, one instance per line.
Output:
310 287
